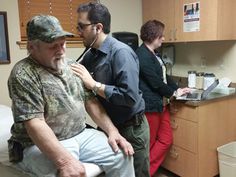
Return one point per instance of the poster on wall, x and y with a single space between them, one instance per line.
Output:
4 44
191 17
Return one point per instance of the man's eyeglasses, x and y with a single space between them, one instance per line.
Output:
81 26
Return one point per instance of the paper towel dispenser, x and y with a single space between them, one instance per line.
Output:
128 38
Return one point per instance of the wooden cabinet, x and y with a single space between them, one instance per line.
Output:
198 131
162 10
216 19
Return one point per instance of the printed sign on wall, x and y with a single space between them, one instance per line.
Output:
191 17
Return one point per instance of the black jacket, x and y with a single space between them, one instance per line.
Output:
151 81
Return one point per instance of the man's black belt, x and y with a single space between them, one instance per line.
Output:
136 120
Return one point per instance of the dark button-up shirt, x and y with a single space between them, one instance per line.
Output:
116 65
152 82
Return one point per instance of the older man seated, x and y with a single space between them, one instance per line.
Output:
49 104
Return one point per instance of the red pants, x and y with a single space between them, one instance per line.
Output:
160 137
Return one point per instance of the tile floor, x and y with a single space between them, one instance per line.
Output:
164 173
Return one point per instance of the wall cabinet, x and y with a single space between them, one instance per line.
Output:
198 131
162 10
216 19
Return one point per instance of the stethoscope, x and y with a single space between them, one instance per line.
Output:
87 49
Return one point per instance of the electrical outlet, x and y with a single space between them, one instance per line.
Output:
203 62
222 66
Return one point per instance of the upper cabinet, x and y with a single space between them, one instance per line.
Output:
162 10
189 20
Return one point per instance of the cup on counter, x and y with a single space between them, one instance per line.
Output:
209 78
200 80
192 79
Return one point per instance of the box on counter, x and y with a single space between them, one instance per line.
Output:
226 90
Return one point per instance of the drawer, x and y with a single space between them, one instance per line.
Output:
181 162
183 111
185 134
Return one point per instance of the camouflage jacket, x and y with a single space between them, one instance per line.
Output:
38 93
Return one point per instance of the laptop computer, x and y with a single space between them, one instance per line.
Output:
196 95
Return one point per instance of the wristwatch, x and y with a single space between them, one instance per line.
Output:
97 86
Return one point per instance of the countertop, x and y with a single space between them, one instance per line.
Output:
210 98
182 82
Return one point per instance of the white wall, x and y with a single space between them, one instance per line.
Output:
218 57
126 16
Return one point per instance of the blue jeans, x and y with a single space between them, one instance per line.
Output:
89 146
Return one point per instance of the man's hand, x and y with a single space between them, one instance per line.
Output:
72 168
84 75
116 141
48 143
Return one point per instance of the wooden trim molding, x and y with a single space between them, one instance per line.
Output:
69 44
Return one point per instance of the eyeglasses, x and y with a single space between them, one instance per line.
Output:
81 26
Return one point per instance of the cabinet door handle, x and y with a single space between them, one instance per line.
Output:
173 108
173 124
175 38
173 153
171 35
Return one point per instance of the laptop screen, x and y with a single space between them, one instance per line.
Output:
209 89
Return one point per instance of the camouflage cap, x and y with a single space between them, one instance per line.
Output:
45 28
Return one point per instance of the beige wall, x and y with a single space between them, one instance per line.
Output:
217 57
126 16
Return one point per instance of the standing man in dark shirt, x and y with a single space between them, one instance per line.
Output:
111 70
